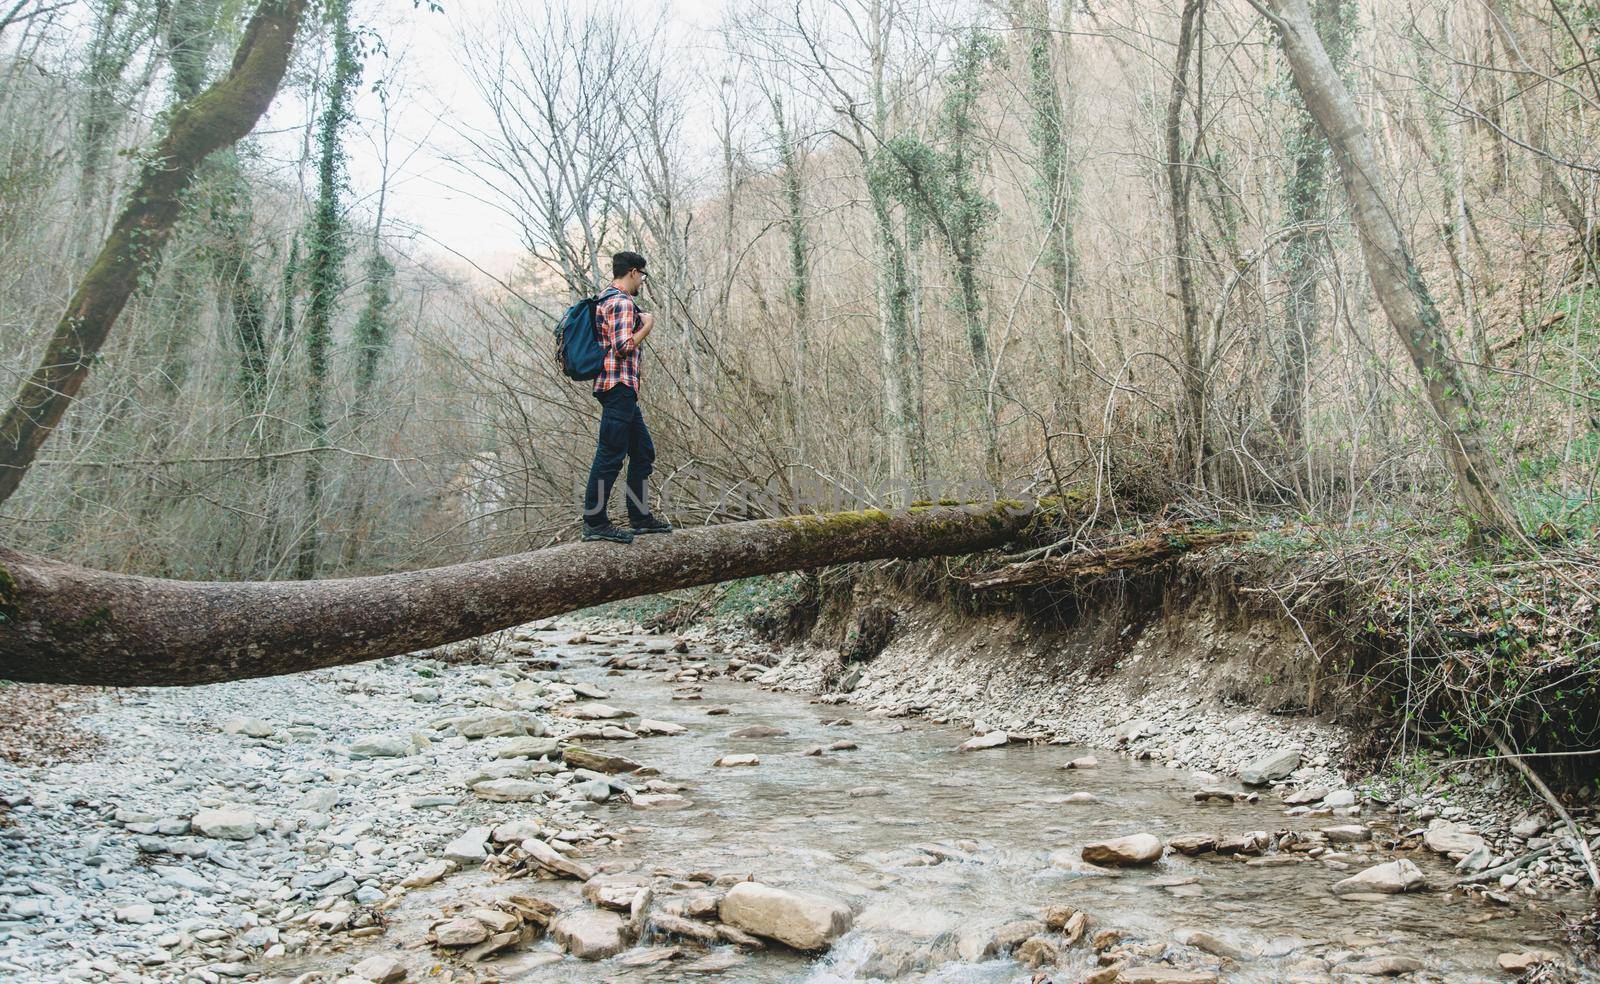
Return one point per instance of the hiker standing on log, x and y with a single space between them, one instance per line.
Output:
621 328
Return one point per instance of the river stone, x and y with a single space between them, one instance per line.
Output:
863 792
733 761
801 920
670 925
460 932
1270 767
758 731
548 857
993 739
528 747
1382 965
1163 975
1529 826
590 934
659 801
319 800
510 790
595 712
1339 798
137 914
1214 946
584 758
380 970
429 873
1350 833
468 848
234 825
380 746
513 831
1311 794
497 725
1449 838
1521 963
509 769
248 726
614 891
1124 852
1390 878
1192 844
1083 762
646 726
1079 798
498 920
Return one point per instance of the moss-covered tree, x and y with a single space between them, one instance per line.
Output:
325 255
214 119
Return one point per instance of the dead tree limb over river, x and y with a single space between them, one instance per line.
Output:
65 624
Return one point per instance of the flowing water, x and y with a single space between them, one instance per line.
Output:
992 819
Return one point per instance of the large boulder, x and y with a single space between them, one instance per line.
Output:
590 934
1390 878
1124 852
1270 767
799 919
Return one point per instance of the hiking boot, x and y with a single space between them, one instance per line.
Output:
607 532
650 524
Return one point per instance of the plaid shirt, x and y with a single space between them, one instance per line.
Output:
616 317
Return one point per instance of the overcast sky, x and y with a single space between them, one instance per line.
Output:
431 98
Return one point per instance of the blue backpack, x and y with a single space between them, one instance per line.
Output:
578 349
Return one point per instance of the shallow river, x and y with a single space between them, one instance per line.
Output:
791 822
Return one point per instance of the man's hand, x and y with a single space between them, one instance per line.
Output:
646 322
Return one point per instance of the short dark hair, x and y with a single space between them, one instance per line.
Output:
625 262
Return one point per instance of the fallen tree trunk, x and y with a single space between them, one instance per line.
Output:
1142 552
65 624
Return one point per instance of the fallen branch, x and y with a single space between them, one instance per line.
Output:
1146 551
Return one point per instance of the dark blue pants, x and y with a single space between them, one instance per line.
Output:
622 434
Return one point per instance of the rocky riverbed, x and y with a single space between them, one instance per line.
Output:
574 802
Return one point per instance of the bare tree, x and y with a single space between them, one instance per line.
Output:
1395 278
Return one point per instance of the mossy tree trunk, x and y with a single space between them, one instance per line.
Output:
66 624
325 255
215 119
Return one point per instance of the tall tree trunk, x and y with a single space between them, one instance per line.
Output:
901 382
799 266
66 624
1049 129
1305 208
1193 426
1395 278
325 274
215 119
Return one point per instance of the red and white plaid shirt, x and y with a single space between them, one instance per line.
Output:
616 318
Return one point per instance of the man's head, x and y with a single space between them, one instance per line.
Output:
627 271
